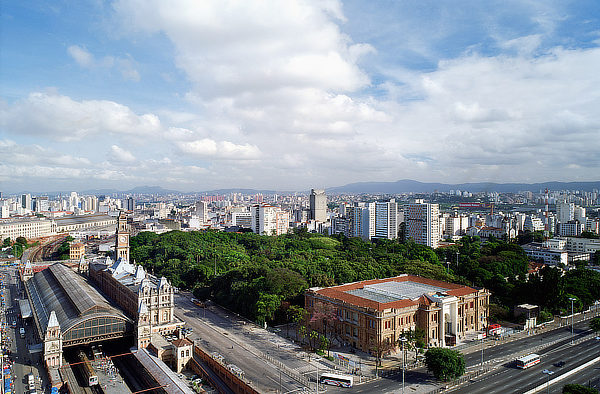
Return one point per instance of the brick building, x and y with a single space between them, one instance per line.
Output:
374 313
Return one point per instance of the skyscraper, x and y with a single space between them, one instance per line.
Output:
386 219
269 220
202 211
422 223
361 220
26 201
318 205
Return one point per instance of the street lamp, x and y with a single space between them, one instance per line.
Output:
403 340
447 266
572 320
482 336
547 372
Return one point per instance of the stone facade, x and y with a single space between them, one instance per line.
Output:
374 314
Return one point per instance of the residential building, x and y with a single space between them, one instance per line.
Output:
26 201
422 223
572 228
361 220
269 220
565 211
373 314
76 250
537 252
202 211
386 220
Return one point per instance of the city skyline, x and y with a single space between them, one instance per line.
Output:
294 95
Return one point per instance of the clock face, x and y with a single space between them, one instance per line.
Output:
123 238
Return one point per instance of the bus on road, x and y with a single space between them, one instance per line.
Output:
528 361
336 380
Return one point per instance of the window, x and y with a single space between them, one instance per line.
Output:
471 304
402 321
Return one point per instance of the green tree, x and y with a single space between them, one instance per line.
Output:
595 324
578 389
21 241
445 364
6 243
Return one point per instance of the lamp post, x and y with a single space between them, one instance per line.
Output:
572 320
403 340
482 336
447 266
547 372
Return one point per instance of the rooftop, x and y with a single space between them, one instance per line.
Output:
396 292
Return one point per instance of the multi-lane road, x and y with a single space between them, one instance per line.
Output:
255 351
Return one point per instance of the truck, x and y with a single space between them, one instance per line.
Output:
22 332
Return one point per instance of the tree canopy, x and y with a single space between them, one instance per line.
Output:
445 364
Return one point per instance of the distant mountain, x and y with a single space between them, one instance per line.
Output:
407 186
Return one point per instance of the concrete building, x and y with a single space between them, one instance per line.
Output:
241 219
422 223
386 220
373 314
361 220
565 212
202 211
28 228
572 228
26 202
537 252
318 205
269 220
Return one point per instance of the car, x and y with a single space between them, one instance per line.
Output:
559 364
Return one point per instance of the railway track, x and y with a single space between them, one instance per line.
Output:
45 250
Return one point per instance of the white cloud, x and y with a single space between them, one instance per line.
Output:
64 119
81 55
207 148
120 155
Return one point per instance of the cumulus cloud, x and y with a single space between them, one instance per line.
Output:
207 148
62 118
125 65
120 155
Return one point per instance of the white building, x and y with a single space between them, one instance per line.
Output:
549 256
202 211
386 220
422 223
361 220
241 219
572 228
28 228
269 220
565 211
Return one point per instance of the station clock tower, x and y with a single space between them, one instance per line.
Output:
122 242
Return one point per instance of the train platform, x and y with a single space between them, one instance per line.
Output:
109 379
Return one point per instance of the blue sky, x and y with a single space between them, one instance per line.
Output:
297 94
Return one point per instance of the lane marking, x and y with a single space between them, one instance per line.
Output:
563 376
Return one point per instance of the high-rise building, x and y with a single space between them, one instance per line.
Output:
269 220
130 204
202 211
26 201
565 212
361 220
386 219
42 204
422 223
318 205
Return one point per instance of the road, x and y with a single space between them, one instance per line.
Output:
24 361
244 345
506 378
553 346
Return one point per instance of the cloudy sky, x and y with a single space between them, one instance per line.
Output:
199 94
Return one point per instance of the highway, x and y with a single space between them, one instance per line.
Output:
245 345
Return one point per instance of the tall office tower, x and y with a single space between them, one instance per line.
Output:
386 219
579 214
565 211
130 204
26 201
73 200
361 220
318 205
202 211
42 204
269 220
422 223
91 203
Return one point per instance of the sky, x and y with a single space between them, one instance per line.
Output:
197 95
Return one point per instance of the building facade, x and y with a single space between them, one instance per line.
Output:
318 205
269 220
374 314
422 223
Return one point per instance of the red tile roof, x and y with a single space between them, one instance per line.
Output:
341 292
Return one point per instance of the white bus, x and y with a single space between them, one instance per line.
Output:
336 380
528 361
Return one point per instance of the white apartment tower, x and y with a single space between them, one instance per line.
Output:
202 211
422 223
318 205
361 220
565 211
269 220
386 219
